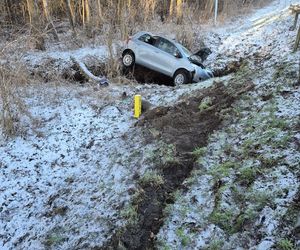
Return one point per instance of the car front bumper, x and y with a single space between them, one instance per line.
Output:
202 74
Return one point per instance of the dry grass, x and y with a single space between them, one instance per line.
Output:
14 80
11 103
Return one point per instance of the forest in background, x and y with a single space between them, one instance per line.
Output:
121 15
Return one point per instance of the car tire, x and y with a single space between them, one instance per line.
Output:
181 77
128 59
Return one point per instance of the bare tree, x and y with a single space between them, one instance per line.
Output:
71 15
171 9
31 10
179 12
99 14
9 7
49 19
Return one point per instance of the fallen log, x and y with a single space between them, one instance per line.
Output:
84 70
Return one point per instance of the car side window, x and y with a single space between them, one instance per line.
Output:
147 39
167 46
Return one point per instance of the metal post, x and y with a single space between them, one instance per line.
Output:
216 11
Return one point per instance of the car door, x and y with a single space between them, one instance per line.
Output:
164 59
145 50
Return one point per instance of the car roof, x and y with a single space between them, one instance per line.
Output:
140 33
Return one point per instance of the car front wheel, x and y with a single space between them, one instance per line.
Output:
181 77
128 59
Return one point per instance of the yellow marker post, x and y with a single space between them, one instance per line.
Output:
137 106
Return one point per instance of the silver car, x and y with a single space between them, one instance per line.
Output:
164 56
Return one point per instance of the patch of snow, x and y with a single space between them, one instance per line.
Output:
276 184
35 58
67 187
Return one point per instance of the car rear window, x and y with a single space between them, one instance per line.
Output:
147 39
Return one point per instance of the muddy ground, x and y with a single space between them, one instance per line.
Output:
186 126
202 169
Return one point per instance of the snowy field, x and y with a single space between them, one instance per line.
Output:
66 179
208 218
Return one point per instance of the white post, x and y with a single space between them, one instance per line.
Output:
216 11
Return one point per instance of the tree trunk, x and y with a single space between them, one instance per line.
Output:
87 12
83 12
49 20
163 12
119 11
179 11
30 9
70 15
100 15
8 8
171 9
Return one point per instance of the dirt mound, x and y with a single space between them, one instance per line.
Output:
187 126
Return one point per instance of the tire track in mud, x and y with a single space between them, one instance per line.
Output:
187 126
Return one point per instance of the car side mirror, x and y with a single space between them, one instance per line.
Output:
177 54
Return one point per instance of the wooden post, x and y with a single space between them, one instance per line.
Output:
295 21
296 10
297 40
299 74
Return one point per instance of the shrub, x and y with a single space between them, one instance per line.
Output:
151 178
205 103
223 219
183 237
285 244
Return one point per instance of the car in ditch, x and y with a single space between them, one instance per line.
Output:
165 56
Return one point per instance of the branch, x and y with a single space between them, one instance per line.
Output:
84 70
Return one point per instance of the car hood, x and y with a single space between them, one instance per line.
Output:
195 59
203 53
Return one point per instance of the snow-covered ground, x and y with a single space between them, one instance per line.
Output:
243 191
65 181
66 184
